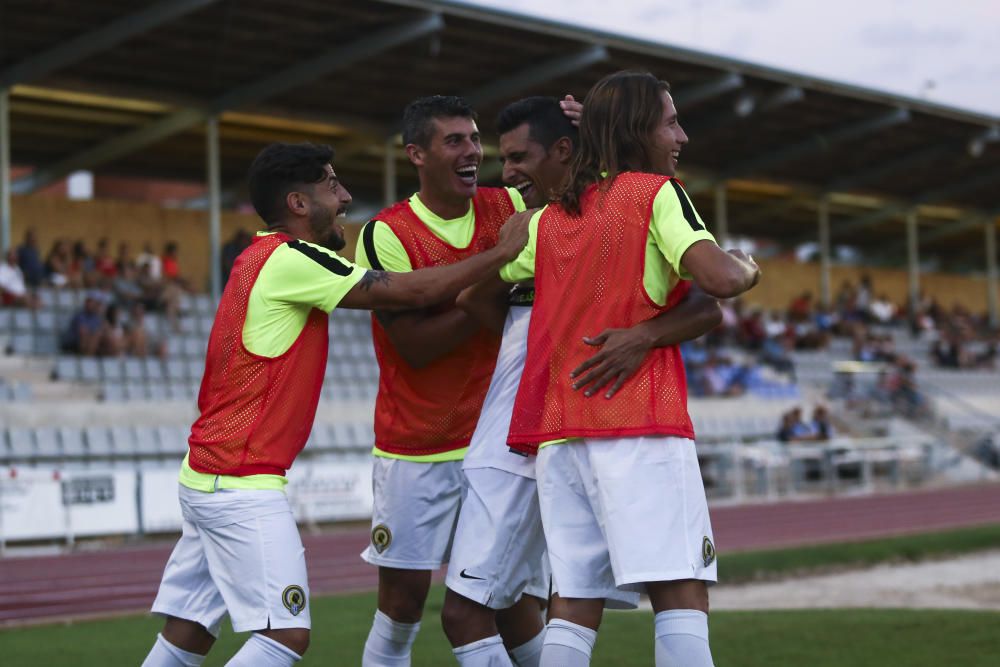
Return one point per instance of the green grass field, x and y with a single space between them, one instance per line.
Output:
858 638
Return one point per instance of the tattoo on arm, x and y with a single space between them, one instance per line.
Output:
371 277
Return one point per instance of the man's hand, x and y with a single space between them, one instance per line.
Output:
572 109
749 261
514 233
623 352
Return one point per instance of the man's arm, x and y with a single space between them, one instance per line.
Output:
387 291
486 302
624 350
720 273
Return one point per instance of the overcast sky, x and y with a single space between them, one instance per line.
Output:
947 52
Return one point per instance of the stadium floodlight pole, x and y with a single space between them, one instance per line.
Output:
4 169
214 206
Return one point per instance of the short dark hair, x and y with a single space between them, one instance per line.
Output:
281 168
546 121
417 117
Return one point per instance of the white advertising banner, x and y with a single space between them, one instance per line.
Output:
161 511
331 491
39 503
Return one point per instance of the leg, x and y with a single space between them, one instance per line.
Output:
416 508
572 631
465 621
187 635
521 623
272 648
681 624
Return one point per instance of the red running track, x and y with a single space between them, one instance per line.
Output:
35 589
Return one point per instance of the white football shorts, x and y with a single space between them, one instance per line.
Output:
239 552
624 511
415 512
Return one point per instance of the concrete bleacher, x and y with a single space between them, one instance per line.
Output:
164 444
352 372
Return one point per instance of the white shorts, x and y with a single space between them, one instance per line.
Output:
239 552
621 512
499 550
415 512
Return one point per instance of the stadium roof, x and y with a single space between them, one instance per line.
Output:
126 87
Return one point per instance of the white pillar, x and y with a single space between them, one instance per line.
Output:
721 222
214 207
389 172
912 259
992 286
4 170
823 221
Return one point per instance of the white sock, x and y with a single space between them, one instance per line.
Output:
529 653
165 654
389 642
682 639
567 644
261 651
488 652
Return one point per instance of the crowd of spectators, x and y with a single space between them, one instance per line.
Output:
120 290
794 428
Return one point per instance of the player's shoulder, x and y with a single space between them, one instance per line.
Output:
308 255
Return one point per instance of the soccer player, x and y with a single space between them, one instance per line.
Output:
621 495
240 552
435 366
498 552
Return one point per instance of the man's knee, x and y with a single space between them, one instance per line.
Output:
296 639
187 635
465 621
402 593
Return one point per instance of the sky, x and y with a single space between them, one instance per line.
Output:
945 52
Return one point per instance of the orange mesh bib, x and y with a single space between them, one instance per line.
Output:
256 412
588 277
434 409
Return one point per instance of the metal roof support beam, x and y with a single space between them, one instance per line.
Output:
884 169
214 207
992 280
692 95
4 170
983 180
111 35
787 95
820 142
389 180
721 221
291 77
912 260
823 222
546 71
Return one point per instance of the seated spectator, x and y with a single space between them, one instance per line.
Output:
137 340
57 264
104 264
30 261
170 262
231 250
800 307
882 310
126 286
88 328
820 425
112 342
13 286
793 429
81 268
148 258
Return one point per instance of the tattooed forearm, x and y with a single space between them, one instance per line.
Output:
371 277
